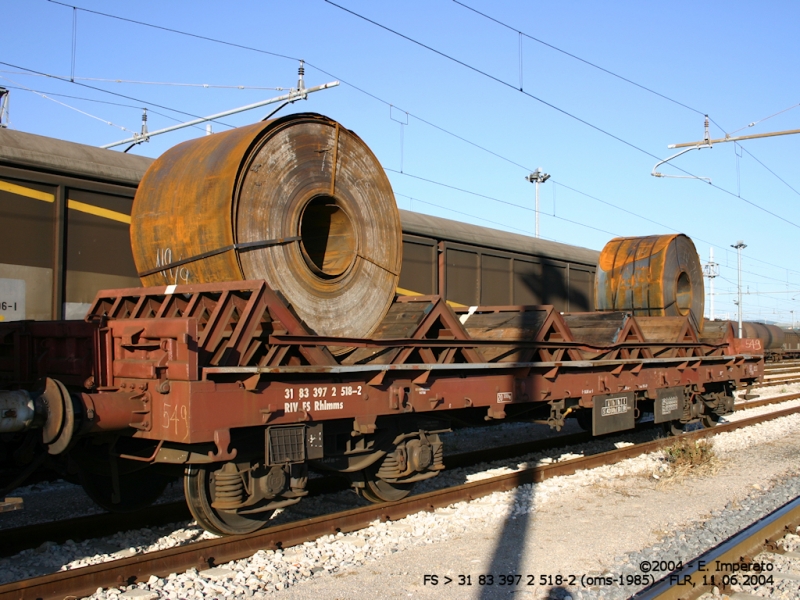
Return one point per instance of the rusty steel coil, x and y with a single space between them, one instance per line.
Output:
300 202
658 275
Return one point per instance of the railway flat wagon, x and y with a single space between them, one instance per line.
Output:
237 368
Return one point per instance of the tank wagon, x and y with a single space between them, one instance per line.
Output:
224 372
778 343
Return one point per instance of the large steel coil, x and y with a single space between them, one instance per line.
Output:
651 276
300 202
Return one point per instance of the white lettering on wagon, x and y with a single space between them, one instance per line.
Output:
614 406
293 407
669 404
323 392
504 397
323 405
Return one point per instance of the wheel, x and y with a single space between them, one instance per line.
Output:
199 488
137 489
710 420
584 418
674 428
377 490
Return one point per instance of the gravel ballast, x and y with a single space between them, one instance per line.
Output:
594 523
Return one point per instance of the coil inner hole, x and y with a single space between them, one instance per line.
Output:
683 294
327 237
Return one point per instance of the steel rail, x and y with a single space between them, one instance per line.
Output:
94 526
765 401
781 368
208 553
695 578
775 382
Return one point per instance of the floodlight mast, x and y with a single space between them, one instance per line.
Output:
299 93
739 246
711 270
3 107
537 177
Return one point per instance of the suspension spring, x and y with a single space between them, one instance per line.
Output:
228 487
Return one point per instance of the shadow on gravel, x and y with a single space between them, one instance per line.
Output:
507 558
463 474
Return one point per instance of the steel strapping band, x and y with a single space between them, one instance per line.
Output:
369 260
240 246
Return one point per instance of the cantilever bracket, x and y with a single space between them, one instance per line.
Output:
655 173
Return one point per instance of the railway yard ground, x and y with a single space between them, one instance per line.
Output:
566 537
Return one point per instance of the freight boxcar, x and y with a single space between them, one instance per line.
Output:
66 213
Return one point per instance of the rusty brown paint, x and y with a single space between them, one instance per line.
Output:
301 178
207 339
651 276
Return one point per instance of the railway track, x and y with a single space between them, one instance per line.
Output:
779 374
730 565
773 383
209 553
95 526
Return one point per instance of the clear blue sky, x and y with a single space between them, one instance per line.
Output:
736 61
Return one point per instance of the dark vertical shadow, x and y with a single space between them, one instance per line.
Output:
549 286
507 556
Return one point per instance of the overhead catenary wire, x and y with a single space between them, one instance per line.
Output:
165 83
578 58
783 181
169 29
520 206
83 112
74 42
631 82
554 107
308 64
754 123
91 87
387 103
377 98
512 204
95 100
